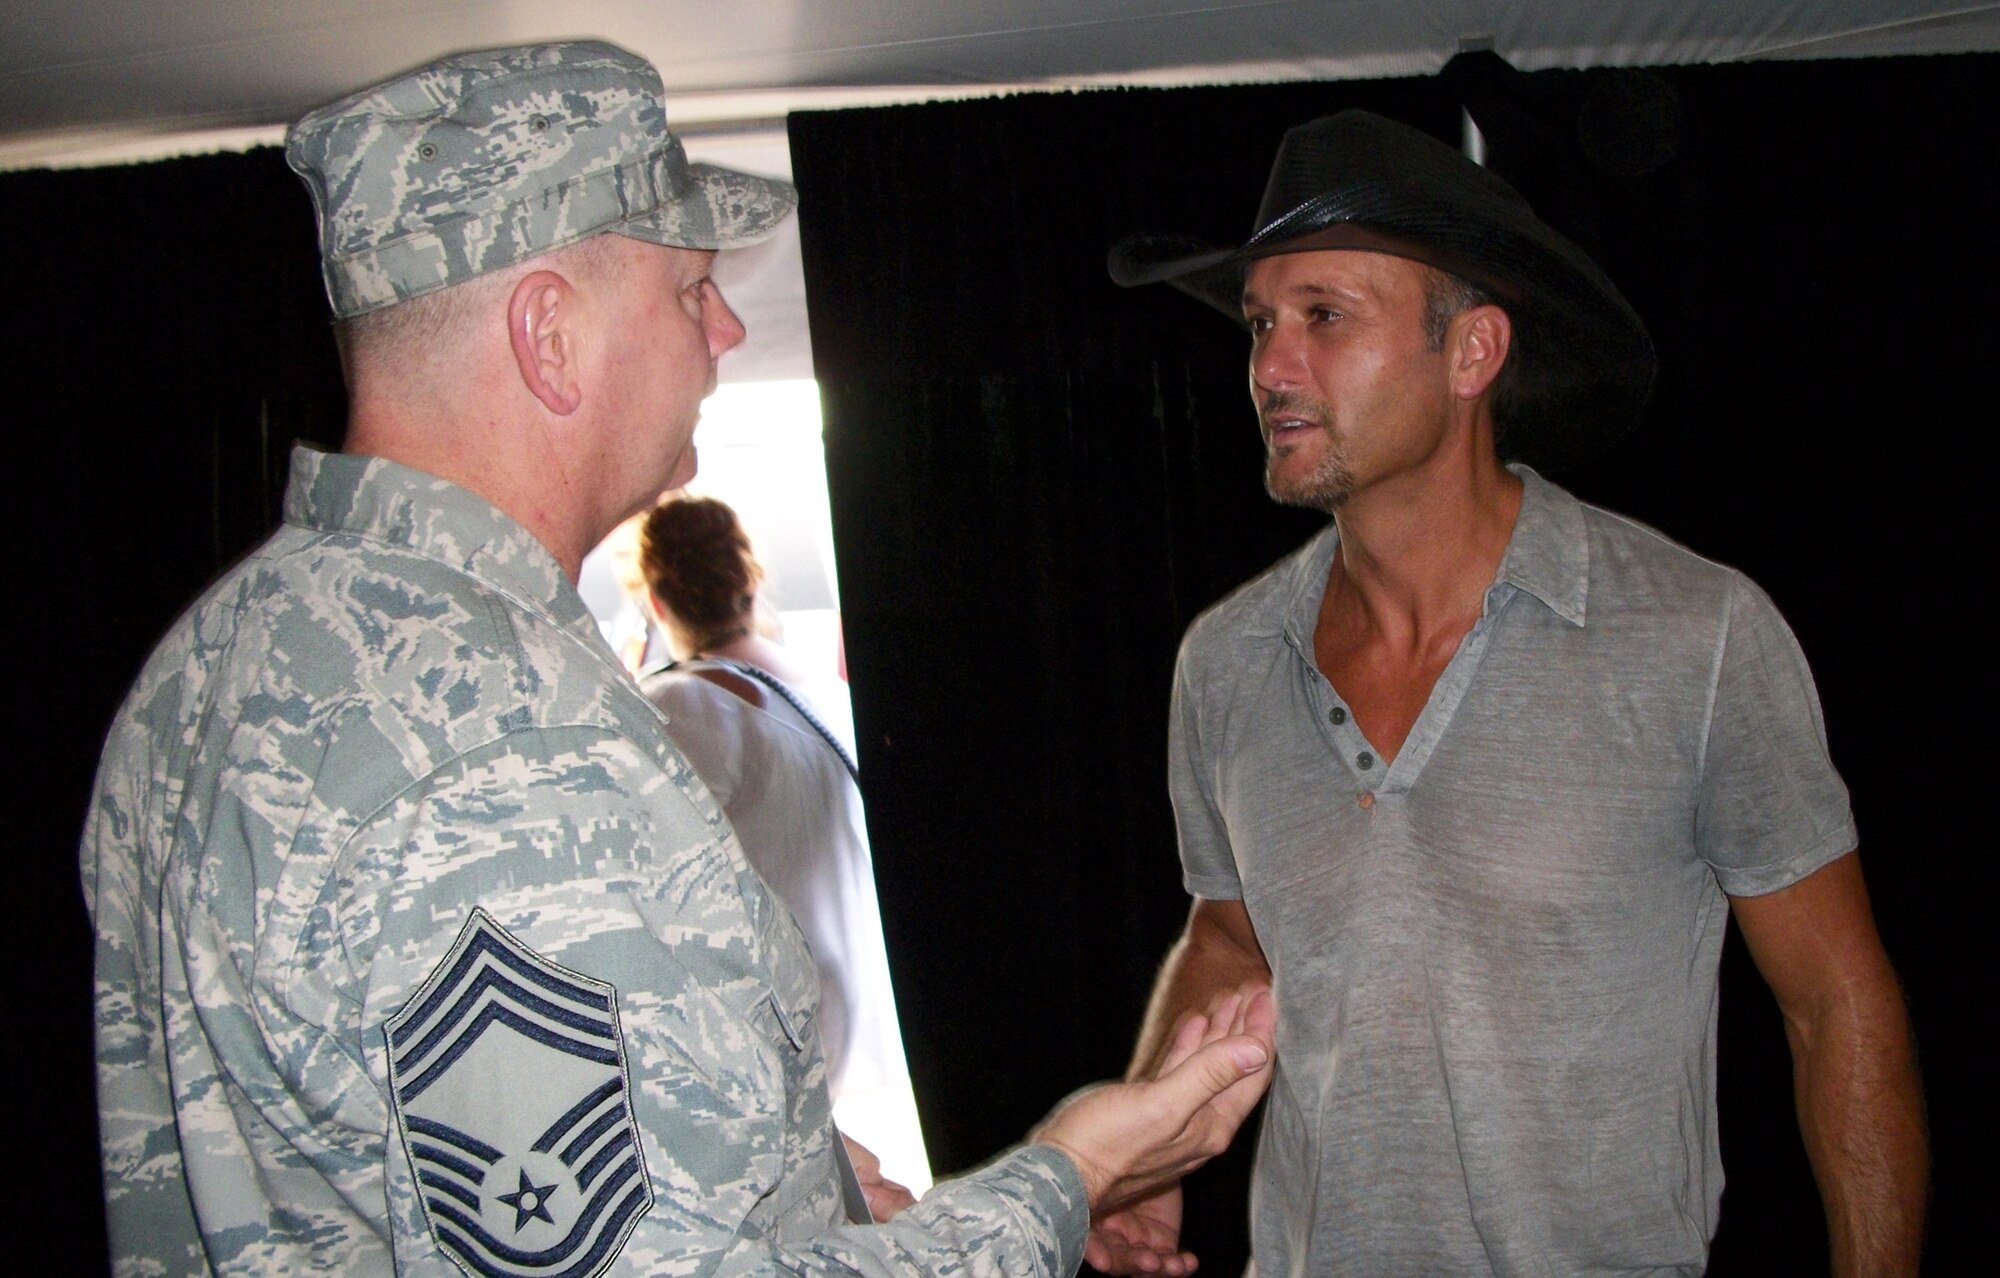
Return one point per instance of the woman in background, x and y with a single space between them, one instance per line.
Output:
789 789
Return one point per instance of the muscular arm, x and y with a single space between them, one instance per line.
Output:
1217 953
1216 956
1854 1070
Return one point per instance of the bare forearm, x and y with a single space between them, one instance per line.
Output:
1861 1113
1217 954
1861 1107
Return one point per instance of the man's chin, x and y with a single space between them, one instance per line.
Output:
684 473
1311 491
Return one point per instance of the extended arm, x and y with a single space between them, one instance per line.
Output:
1217 956
652 924
1860 1103
1218 953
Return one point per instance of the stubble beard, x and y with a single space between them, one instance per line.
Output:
1330 482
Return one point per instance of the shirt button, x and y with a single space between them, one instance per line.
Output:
1337 715
1365 759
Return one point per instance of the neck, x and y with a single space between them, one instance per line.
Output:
1417 556
735 642
513 466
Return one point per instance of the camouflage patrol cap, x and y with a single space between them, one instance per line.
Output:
481 160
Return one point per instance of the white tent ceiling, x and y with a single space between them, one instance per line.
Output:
94 81
84 79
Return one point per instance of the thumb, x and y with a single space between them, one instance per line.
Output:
1212 1070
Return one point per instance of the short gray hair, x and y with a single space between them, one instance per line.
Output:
1445 297
412 333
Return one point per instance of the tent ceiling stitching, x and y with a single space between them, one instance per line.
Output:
96 80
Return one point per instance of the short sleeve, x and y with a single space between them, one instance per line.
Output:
1770 809
1208 865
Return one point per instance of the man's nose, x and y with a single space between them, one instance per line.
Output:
1277 359
725 331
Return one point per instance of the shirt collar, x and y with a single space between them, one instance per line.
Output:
1547 556
381 500
1305 586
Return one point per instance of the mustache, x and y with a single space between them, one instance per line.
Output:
1277 402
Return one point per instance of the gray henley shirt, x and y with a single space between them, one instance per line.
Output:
1495 956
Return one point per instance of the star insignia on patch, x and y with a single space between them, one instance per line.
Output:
508 1081
530 1202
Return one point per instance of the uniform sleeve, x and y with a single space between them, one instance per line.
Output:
149 1216
1771 808
1208 866
595 1036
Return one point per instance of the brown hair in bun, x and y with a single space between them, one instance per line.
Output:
698 564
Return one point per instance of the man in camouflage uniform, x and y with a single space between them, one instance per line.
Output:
419 947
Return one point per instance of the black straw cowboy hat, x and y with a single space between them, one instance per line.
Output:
1584 363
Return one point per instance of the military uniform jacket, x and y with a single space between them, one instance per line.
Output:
421 949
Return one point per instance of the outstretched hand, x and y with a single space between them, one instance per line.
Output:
1129 1139
1143 1237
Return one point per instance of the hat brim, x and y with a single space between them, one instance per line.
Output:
717 209
1215 275
1164 259
1584 361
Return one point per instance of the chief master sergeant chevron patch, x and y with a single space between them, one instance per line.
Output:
508 1079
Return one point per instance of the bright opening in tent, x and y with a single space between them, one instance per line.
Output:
760 451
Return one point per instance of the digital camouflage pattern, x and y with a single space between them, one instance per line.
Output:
394 714
475 162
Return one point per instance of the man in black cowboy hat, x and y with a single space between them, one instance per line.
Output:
1479 774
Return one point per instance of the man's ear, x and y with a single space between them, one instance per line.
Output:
542 320
1480 341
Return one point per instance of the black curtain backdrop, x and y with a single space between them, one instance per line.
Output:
1040 479
169 335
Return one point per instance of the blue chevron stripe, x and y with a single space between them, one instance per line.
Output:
467 999
452 1136
486 944
547 1140
599 1161
492 1014
588 1137
445 1185
487 981
450 1162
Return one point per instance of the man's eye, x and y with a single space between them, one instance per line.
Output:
1324 314
1258 323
